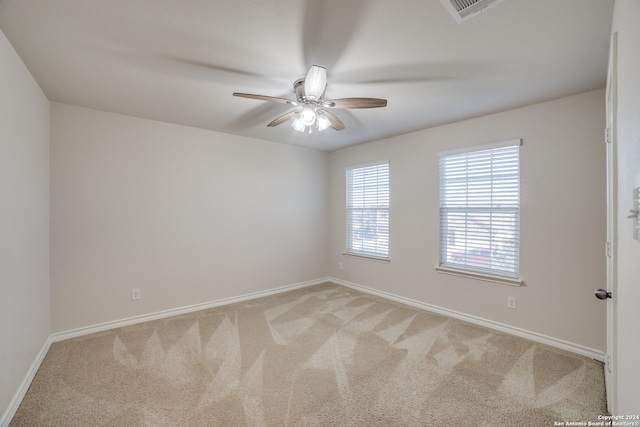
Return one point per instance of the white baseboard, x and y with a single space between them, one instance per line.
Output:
24 386
533 336
60 336
522 333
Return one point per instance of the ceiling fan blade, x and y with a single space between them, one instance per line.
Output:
336 123
266 98
355 103
283 118
315 82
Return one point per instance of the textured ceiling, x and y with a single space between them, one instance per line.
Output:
179 61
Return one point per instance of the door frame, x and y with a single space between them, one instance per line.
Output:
611 246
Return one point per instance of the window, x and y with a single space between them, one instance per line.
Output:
368 210
480 210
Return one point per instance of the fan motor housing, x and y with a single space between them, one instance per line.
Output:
298 89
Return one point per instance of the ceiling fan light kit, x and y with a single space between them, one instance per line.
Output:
309 120
305 118
309 93
322 122
308 116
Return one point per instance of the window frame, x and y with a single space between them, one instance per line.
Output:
478 270
385 210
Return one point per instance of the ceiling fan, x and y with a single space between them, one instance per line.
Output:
310 97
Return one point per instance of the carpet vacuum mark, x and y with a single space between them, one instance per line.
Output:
319 356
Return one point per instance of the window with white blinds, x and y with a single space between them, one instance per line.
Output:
480 210
368 210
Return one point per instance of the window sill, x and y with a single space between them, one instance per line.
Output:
480 276
369 257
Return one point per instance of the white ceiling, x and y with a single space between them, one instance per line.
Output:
179 61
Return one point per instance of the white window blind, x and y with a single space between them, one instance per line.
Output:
368 210
480 210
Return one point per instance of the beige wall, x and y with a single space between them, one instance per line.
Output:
187 215
562 219
24 224
627 271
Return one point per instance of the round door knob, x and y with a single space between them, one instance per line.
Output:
602 294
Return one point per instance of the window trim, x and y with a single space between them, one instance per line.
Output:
470 272
481 147
504 280
385 260
361 255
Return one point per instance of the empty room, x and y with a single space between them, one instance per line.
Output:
319 213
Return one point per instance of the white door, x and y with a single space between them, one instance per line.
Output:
610 359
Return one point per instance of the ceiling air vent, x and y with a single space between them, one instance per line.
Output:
467 9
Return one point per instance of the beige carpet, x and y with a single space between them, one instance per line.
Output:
321 356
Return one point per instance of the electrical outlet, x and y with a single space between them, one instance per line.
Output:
135 293
340 266
511 302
